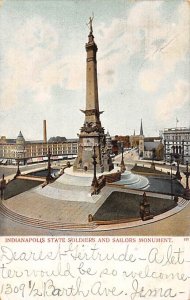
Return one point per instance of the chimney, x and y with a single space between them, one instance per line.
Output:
44 132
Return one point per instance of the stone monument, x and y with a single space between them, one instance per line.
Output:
92 137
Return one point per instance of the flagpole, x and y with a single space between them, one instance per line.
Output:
177 122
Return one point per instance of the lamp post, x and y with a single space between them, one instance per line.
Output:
187 190
165 151
177 158
145 213
18 173
94 180
2 187
182 155
153 157
171 160
17 158
49 177
122 165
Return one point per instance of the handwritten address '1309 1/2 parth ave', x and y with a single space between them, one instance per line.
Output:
96 269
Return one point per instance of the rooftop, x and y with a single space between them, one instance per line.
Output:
177 129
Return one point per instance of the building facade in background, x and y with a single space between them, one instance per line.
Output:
148 147
153 148
177 142
137 141
27 152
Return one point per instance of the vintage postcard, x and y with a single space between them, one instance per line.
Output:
94 149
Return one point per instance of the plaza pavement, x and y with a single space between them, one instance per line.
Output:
67 212
67 200
174 225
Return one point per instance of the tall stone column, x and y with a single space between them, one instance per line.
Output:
92 134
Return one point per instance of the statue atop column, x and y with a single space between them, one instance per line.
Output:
89 24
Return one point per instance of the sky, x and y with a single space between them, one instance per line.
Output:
143 65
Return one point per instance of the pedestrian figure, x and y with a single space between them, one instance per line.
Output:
2 187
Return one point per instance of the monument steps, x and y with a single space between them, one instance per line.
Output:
100 198
61 186
65 193
67 179
96 197
43 223
133 181
182 202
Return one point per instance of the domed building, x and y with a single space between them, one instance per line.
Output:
20 139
